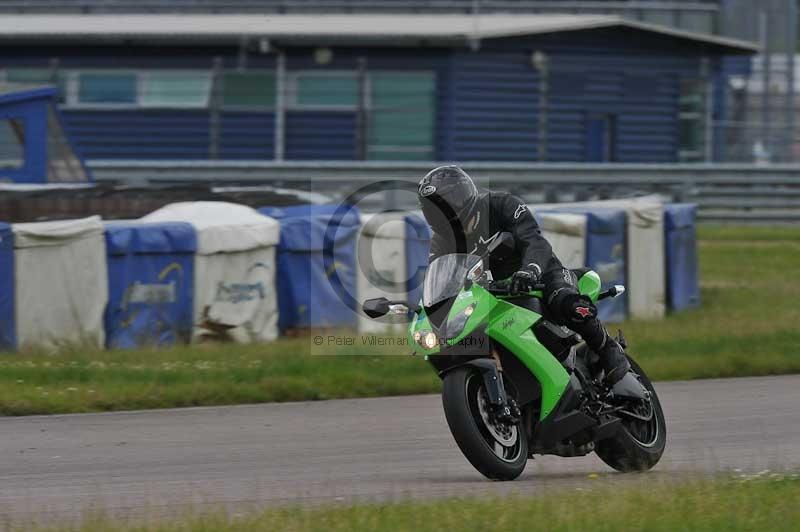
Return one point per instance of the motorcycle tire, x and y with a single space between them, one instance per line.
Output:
461 395
626 452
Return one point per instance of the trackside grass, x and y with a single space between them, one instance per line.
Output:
764 503
748 321
747 325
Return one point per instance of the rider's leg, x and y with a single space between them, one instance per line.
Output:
612 356
570 309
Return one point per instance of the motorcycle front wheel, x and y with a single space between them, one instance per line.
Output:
499 451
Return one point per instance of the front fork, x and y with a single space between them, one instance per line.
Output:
505 408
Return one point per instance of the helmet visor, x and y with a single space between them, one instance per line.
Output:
437 213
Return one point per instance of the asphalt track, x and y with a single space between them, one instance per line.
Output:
56 467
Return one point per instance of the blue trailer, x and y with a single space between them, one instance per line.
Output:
33 145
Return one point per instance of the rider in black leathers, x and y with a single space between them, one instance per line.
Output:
465 219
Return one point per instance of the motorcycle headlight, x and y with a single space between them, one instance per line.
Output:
456 324
429 340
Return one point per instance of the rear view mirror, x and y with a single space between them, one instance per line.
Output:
375 308
504 242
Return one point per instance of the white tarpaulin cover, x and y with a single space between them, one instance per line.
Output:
221 227
381 264
567 236
234 293
645 261
61 281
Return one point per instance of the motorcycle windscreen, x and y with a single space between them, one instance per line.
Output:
445 277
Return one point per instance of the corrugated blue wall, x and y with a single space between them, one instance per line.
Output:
494 107
139 134
247 135
487 100
634 78
170 134
321 135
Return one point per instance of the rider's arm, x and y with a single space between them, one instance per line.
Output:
519 221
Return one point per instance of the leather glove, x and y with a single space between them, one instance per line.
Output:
564 300
523 280
576 307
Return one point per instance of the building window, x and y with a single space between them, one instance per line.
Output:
248 89
107 88
119 89
12 143
323 90
698 21
175 89
692 121
401 116
29 77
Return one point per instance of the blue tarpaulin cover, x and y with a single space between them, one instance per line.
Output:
605 253
315 290
418 243
150 283
683 284
8 337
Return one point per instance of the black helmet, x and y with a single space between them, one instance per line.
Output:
448 197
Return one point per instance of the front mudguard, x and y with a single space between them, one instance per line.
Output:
492 379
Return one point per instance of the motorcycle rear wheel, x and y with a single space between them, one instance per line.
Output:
497 451
638 445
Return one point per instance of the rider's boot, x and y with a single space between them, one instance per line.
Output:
613 361
610 353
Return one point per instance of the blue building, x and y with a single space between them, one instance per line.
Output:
727 17
378 87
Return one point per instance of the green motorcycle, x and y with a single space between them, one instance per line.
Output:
515 384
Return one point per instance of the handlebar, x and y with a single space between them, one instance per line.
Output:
503 288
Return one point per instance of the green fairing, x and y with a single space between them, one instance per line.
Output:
589 284
511 326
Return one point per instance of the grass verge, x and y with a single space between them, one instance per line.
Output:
747 325
764 502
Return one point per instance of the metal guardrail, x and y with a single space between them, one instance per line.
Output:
463 6
724 192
